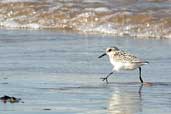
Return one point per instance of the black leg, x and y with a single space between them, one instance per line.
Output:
106 78
140 75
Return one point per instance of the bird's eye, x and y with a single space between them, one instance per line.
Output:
109 50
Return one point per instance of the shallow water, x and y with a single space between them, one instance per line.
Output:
140 18
55 72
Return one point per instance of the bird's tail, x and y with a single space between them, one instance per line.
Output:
142 62
146 62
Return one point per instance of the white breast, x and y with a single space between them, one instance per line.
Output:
116 65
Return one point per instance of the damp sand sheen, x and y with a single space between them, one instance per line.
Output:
59 72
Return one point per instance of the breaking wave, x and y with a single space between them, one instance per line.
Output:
138 18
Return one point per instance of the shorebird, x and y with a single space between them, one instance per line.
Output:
122 60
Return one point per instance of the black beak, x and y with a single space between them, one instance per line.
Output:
102 55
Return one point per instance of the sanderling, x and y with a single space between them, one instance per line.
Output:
122 60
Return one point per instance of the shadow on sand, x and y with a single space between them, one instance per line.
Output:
110 85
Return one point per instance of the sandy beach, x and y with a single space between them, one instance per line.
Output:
58 72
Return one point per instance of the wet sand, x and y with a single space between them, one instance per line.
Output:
55 72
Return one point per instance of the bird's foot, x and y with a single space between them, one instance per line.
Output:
105 79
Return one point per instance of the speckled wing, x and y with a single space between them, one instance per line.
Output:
126 57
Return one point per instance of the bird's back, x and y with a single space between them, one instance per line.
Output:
122 56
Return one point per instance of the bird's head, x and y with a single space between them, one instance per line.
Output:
109 51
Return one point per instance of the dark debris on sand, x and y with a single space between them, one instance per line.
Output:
9 99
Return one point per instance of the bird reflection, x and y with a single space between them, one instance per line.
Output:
125 102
